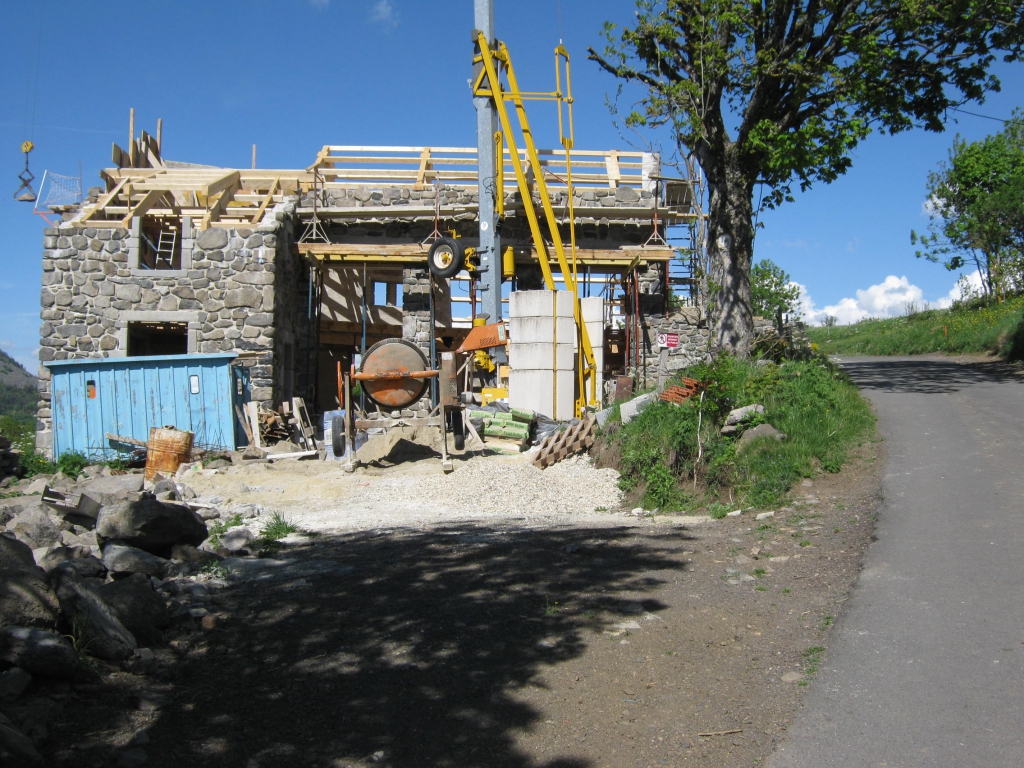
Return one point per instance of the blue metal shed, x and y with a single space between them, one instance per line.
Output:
125 396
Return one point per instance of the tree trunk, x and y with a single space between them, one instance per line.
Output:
730 246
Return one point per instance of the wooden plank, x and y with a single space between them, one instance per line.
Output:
217 208
613 170
245 424
150 199
224 183
103 201
266 201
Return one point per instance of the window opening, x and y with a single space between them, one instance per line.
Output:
90 389
160 243
157 339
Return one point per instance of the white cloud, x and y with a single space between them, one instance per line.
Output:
973 284
886 299
383 12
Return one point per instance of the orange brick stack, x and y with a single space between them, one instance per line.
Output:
677 394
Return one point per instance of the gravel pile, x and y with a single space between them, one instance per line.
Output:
483 487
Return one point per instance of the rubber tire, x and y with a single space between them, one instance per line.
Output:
458 430
442 247
338 435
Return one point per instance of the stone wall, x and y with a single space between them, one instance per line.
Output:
239 290
457 210
693 339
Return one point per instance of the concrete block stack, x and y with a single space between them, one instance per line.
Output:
542 338
593 318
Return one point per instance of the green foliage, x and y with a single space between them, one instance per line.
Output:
771 289
19 402
811 401
220 527
34 463
72 463
980 325
977 214
277 528
807 80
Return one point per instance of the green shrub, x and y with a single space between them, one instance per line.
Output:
811 401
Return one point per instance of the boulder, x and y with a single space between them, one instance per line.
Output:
15 554
237 539
78 559
94 623
151 525
761 430
35 528
186 553
13 683
113 484
137 606
16 748
120 559
45 654
34 485
736 415
27 599
9 510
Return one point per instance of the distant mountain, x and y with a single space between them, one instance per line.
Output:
13 375
18 389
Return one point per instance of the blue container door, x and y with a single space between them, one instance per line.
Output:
127 397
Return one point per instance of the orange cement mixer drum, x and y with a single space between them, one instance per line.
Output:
394 357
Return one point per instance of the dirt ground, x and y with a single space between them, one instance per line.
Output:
527 640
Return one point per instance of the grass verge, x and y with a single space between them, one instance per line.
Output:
676 457
974 326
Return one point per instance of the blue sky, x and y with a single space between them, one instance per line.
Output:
293 75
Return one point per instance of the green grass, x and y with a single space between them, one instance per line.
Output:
811 401
277 528
976 326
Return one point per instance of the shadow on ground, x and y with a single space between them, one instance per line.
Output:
926 375
407 646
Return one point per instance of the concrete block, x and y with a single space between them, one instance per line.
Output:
541 357
593 309
545 330
540 304
537 391
631 409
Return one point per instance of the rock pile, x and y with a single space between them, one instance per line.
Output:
102 574
10 459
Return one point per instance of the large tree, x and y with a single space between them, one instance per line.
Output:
779 92
977 204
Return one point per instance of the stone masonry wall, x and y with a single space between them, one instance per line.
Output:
238 290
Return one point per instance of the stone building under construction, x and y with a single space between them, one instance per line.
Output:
298 271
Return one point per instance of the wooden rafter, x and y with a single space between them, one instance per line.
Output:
219 207
266 201
150 199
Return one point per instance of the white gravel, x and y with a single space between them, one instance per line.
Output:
320 497
480 489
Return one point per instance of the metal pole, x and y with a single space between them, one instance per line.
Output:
486 126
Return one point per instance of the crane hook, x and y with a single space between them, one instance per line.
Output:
29 195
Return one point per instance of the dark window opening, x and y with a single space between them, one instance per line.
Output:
160 243
157 339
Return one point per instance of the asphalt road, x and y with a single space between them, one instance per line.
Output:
927 666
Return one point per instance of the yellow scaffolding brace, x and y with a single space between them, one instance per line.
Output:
488 84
